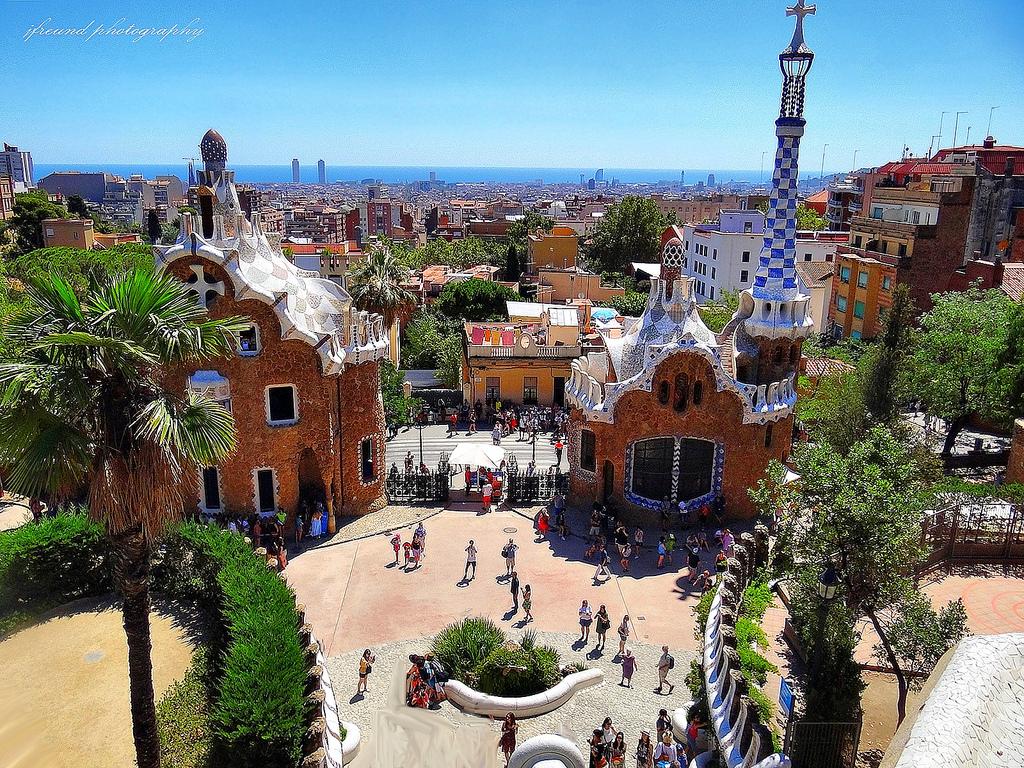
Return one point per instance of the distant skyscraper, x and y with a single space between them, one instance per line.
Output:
191 173
321 171
581 179
433 176
711 179
682 178
295 170
599 175
17 165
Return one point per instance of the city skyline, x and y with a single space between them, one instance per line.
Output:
669 86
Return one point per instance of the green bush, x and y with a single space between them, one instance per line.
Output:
258 712
183 718
53 561
756 599
511 670
765 708
462 646
702 610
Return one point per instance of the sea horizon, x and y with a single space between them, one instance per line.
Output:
404 174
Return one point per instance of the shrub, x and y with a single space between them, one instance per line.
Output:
53 561
462 646
258 713
701 611
756 599
765 707
183 717
511 670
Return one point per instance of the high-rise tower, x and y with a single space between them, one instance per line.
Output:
295 170
321 171
774 308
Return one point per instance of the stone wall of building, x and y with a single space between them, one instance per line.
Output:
718 418
311 453
1015 466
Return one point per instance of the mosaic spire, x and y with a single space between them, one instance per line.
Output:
775 278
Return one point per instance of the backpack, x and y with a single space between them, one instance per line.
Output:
671 662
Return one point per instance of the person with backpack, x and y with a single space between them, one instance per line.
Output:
665 664
509 553
603 624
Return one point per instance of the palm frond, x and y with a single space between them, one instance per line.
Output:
42 454
195 431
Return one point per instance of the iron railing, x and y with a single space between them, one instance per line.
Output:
417 486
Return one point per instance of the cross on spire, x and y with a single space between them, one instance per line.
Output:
799 10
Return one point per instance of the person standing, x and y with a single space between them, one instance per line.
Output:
693 563
603 625
665 664
623 633
586 618
663 723
365 668
514 589
487 492
628 668
617 751
496 434
509 729
470 561
396 544
666 752
638 541
670 544
558 453
644 751
509 553
528 602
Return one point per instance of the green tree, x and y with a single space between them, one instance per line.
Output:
629 231
169 232
808 218
918 636
84 408
475 300
716 315
30 208
376 286
153 228
882 367
78 266
861 512
1011 361
396 405
513 265
956 357
630 304
77 207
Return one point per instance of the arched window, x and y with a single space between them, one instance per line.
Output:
663 393
206 214
682 392
655 461
698 392
652 467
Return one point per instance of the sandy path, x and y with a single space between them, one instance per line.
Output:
64 688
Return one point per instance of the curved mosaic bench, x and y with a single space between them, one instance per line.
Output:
324 747
546 751
743 741
478 703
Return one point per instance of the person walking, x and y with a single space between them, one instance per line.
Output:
617 751
693 563
514 588
527 602
623 633
558 452
603 561
396 544
586 619
670 544
628 668
662 552
509 729
603 625
663 723
665 665
365 668
509 553
627 552
496 434
470 561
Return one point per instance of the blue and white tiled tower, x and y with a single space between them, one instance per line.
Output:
778 309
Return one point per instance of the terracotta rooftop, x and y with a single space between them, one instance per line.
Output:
1013 280
817 367
815 273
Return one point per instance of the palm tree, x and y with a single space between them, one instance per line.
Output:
84 409
377 286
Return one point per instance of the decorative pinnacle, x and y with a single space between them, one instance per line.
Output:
799 10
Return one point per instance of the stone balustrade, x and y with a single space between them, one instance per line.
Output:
743 741
479 703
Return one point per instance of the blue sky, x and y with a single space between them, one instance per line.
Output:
690 83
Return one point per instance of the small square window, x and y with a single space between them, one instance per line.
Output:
841 303
807 257
858 309
282 405
366 462
857 241
744 276
746 257
249 342
862 279
844 274
886 283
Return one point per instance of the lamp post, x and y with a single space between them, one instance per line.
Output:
421 418
823 166
828 585
956 124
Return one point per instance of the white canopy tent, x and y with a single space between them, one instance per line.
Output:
477 455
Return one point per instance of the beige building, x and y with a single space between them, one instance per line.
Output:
76 233
816 277
527 363
562 285
6 197
557 249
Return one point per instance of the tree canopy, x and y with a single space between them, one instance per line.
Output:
78 266
955 366
26 225
629 231
475 300
375 286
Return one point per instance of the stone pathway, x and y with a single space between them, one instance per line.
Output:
631 709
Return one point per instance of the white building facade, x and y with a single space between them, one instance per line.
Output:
724 256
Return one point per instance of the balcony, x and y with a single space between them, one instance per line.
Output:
867 253
517 351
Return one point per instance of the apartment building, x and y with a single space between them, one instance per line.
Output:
556 249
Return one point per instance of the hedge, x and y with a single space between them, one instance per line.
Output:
50 562
259 712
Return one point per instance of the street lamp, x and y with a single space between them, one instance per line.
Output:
421 419
828 583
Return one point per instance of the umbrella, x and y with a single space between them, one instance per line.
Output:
477 455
